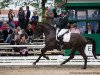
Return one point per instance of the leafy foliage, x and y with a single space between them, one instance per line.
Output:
4 4
43 4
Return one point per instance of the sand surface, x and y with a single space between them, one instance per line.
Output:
49 70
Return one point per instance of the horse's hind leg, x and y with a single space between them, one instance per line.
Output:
85 58
71 57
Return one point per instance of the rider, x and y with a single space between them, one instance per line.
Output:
62 26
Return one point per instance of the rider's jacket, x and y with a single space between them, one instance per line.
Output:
63 22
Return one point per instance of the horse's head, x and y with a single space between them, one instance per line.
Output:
38 32
43 28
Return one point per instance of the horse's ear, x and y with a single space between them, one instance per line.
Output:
39 28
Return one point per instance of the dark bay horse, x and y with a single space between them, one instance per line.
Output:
77 43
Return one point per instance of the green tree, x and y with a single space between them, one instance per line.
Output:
60 3
4 4
43 4
43 7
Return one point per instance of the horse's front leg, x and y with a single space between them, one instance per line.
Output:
46 57
43 50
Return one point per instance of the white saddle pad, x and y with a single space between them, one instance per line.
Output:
66 36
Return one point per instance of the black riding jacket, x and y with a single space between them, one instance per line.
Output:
63 23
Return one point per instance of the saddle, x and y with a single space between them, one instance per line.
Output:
61 40
61 34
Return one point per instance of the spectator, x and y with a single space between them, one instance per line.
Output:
19 30
89 30
0 10
27 16
21 17
1 34
4 27
74 29
34 19
72 14
15 40
7 33
10 16
22 32
1 22
49 17
23 50
14 36
29 32
55 11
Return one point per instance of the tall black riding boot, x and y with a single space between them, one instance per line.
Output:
61 43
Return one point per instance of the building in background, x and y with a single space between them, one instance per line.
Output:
50 3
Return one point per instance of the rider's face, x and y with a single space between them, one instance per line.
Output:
62 15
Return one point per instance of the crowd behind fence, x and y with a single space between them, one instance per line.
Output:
19 30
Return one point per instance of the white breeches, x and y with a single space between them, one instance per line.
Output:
61 32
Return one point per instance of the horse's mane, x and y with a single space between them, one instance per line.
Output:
46 25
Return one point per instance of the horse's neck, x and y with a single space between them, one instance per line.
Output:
49 31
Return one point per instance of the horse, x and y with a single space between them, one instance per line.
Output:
77 43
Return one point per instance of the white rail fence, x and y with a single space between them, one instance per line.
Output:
30 46
54 60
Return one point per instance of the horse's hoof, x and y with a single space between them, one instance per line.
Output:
83 67
34 63
48 58
95 57
61 64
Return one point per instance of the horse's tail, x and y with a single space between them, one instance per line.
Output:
91 41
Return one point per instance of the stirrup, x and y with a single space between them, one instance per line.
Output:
60 38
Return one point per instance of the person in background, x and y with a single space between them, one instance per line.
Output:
89 30
1 19
74 29
0 10
19 30
21 17
15 40
23 50
1 22
49 16
14 36
7 33
1 37
4 26
11 21
55 11
27 16
29 32
2 29
34 19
